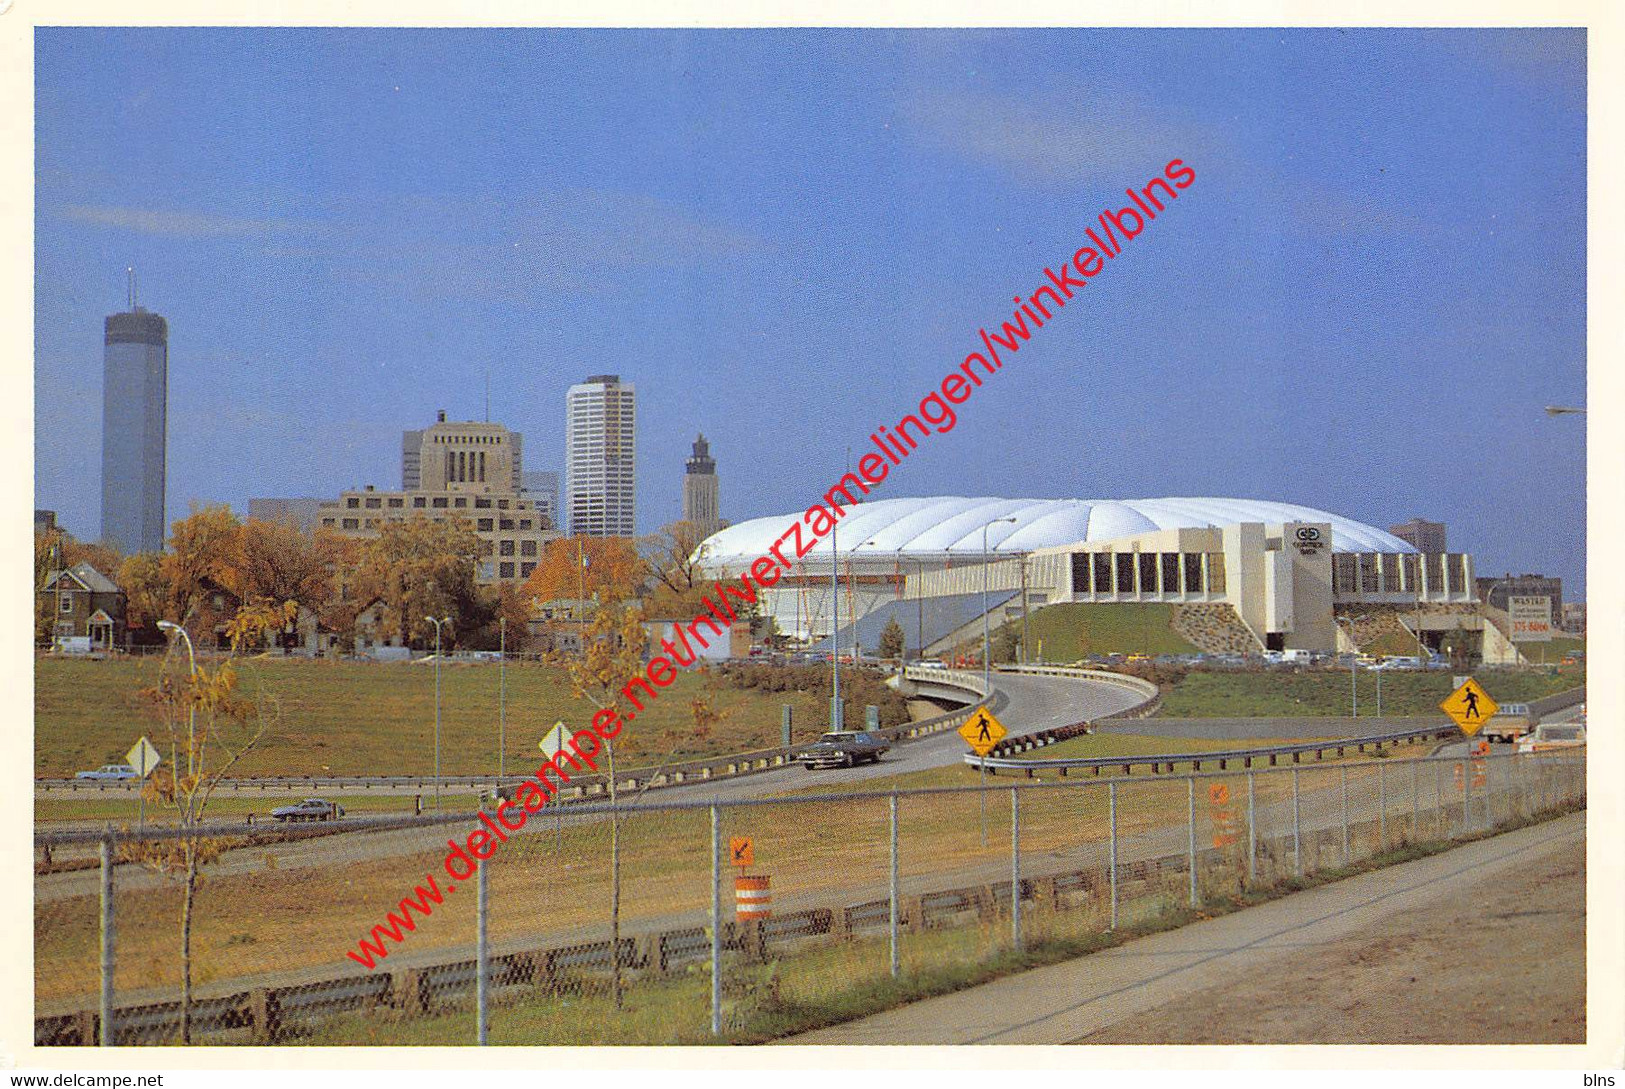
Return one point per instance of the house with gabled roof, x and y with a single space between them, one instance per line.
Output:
84 603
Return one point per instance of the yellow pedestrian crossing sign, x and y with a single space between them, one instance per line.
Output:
1470 706
982 731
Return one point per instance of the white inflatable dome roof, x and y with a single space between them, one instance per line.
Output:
947 526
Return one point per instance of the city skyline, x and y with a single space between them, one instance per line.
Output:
1352 325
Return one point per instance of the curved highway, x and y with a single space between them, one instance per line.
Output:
1024 704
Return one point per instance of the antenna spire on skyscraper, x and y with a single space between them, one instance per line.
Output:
131 273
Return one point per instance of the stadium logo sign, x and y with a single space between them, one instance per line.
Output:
1309 540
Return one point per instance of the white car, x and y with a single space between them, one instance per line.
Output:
109 771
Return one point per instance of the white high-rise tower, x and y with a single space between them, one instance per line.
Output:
600 428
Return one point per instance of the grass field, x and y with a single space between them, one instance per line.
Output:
1282 694
376 718
1066 633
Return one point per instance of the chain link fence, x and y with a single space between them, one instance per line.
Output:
685 922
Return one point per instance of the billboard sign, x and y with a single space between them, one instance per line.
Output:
1531 618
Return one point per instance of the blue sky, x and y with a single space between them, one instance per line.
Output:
784 238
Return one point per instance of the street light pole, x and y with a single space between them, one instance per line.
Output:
835 710
987 640
502 698
437 621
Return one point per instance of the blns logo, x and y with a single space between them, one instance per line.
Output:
1308 533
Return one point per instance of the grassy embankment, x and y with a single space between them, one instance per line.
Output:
364 718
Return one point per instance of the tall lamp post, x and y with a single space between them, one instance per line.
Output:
986 635
502 698
191 712
437 621
835 711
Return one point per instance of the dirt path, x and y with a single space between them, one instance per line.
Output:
1501 960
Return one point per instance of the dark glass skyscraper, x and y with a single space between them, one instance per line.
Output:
135 391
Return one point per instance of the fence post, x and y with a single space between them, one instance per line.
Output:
896 961
482 952
1466 797
1382 808
1015 868
1438 800
1190 828
1252 830
107 936
1344 790
1297 841
716 920
1111 801
1416 811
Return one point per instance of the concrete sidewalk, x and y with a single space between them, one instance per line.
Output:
1066 1002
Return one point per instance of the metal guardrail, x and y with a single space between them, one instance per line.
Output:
581 786
1158 762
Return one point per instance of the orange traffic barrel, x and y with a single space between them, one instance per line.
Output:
753 897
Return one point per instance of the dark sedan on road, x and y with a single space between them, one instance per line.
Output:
845 749
311 809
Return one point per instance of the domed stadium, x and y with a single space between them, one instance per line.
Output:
1263 575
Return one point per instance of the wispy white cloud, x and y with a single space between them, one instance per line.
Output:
175 224
1052 140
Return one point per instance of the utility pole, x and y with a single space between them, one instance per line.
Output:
502 698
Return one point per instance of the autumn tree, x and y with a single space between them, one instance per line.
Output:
146 593
602 568
422 567
205 552
676 580
211 726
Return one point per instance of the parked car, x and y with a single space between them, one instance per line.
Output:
844 749
311 809
109 771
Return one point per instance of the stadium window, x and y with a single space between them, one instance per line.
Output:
1103 572
1148 572
1390 572
1080 572
1456 566
1193 572
1125 572
1215 572
1343 576
1412 568
1170 572
1368 572
1432 564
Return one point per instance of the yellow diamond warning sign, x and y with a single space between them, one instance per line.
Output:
1470 706
981 731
